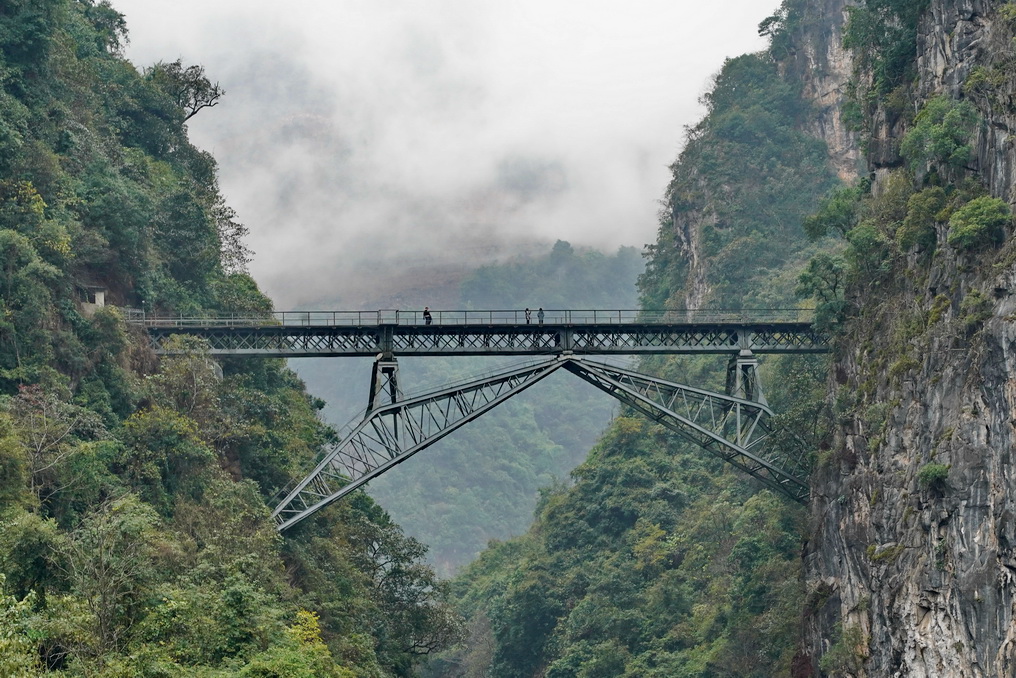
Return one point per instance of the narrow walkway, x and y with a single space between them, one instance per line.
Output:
293 334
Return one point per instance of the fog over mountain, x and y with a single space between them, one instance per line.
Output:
359 136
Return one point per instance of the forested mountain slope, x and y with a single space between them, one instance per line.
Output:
134 530
660 563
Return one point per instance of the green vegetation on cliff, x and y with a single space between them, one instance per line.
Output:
659 560
134 532
746 179
924 292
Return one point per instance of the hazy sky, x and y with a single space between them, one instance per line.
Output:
361 134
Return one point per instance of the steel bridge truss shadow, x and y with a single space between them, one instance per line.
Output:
735 426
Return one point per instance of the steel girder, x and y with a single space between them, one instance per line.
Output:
290 341
390 434
735 429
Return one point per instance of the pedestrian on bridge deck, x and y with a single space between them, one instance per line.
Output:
539 315
529 316
427 319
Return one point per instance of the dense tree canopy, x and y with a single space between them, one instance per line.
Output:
134 530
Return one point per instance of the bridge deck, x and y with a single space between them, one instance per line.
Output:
361 333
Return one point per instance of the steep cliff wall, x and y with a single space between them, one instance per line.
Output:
815 56
966 49
911 564
913 541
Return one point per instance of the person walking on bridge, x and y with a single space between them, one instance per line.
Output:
427 319
539 315
529 316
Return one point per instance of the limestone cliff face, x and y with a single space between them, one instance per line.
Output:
688 229
818 59
964 43
911 564
914 517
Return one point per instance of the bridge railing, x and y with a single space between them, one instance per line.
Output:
484 318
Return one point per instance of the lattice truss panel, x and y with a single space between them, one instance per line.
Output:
391 434
640 339
731 428
803 340
482 341
734 429
276 341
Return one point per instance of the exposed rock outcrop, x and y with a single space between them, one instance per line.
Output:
818 59
913 541
966 49
911 564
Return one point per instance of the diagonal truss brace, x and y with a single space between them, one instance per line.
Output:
735 429
390 434
732 428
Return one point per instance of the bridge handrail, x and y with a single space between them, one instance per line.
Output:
484 317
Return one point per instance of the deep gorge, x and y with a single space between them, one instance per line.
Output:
862 164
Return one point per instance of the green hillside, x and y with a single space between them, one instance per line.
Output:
134 531
661 560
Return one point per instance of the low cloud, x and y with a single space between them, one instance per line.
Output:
359 135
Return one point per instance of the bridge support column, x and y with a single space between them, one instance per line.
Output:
743 379
384 383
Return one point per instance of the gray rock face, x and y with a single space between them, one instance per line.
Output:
820 62
963 43
911 563
914 540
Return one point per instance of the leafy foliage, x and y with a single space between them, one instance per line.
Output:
133 517
941 134
824 280
837 213
933 475
846 654
188 87
740 190
883 37
656 563
18 657
923 212
979 223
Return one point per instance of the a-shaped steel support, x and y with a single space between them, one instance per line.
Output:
390 434
736 429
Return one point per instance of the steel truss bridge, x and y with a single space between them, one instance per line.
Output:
735 426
